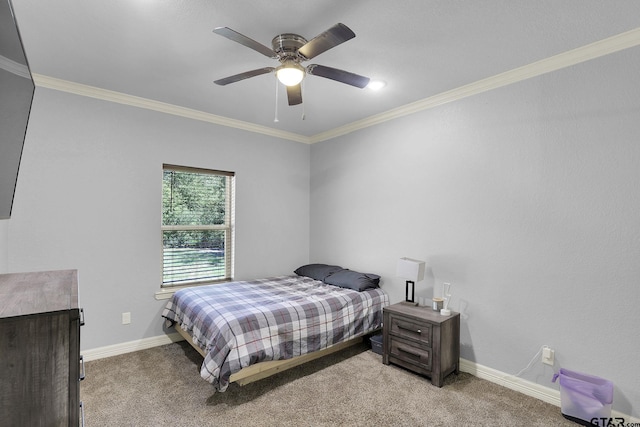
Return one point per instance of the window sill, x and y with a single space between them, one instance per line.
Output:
166 293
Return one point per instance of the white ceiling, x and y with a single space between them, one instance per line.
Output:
165 50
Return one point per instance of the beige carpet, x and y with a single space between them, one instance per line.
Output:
162 387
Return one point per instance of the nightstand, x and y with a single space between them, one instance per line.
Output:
421 340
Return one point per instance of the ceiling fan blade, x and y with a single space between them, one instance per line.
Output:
334 36
242 76
294 94
246 41
338 75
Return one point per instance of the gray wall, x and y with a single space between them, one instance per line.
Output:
89 198
524 198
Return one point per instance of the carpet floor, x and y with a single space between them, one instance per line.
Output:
162 387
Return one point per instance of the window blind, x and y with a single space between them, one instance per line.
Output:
197 225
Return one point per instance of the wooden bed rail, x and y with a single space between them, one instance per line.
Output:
266 369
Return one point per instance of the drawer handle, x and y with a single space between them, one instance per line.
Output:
81 317
82 412
81 368
408 329
409 352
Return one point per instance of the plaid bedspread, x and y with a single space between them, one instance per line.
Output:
242 323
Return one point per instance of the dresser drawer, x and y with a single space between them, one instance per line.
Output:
409 352
407 328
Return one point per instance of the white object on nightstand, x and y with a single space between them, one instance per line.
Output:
446 293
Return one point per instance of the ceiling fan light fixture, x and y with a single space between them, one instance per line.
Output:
290 73
376 84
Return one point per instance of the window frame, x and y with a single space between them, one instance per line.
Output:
167 289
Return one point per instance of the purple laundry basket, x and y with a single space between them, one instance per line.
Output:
584 397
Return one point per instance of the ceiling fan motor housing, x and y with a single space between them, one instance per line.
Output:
287 45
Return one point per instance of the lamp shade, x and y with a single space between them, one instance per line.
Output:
410 269
290 73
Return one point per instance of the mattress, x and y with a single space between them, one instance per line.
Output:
239 324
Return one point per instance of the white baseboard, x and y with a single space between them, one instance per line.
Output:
128 347
528 388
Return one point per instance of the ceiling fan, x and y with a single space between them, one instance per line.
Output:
291 50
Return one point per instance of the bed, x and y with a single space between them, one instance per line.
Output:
249 330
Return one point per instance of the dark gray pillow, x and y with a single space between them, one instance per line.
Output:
353 280
317 271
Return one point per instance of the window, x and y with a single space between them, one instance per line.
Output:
197 225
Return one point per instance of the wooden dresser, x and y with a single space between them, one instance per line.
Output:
40 362
422 340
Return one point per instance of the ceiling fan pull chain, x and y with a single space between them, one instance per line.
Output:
276 117
303 96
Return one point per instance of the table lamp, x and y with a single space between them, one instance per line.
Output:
412 270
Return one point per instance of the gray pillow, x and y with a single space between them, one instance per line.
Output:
353 280
317 271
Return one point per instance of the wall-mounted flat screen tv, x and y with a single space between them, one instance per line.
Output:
16 94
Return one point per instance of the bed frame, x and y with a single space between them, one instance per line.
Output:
266 369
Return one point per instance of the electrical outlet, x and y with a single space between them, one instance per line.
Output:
547 355
126 318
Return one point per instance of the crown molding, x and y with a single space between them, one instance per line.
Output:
572 57
14 67
563 60
149 104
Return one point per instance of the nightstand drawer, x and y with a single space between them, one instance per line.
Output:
421 340
406 328
409 352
